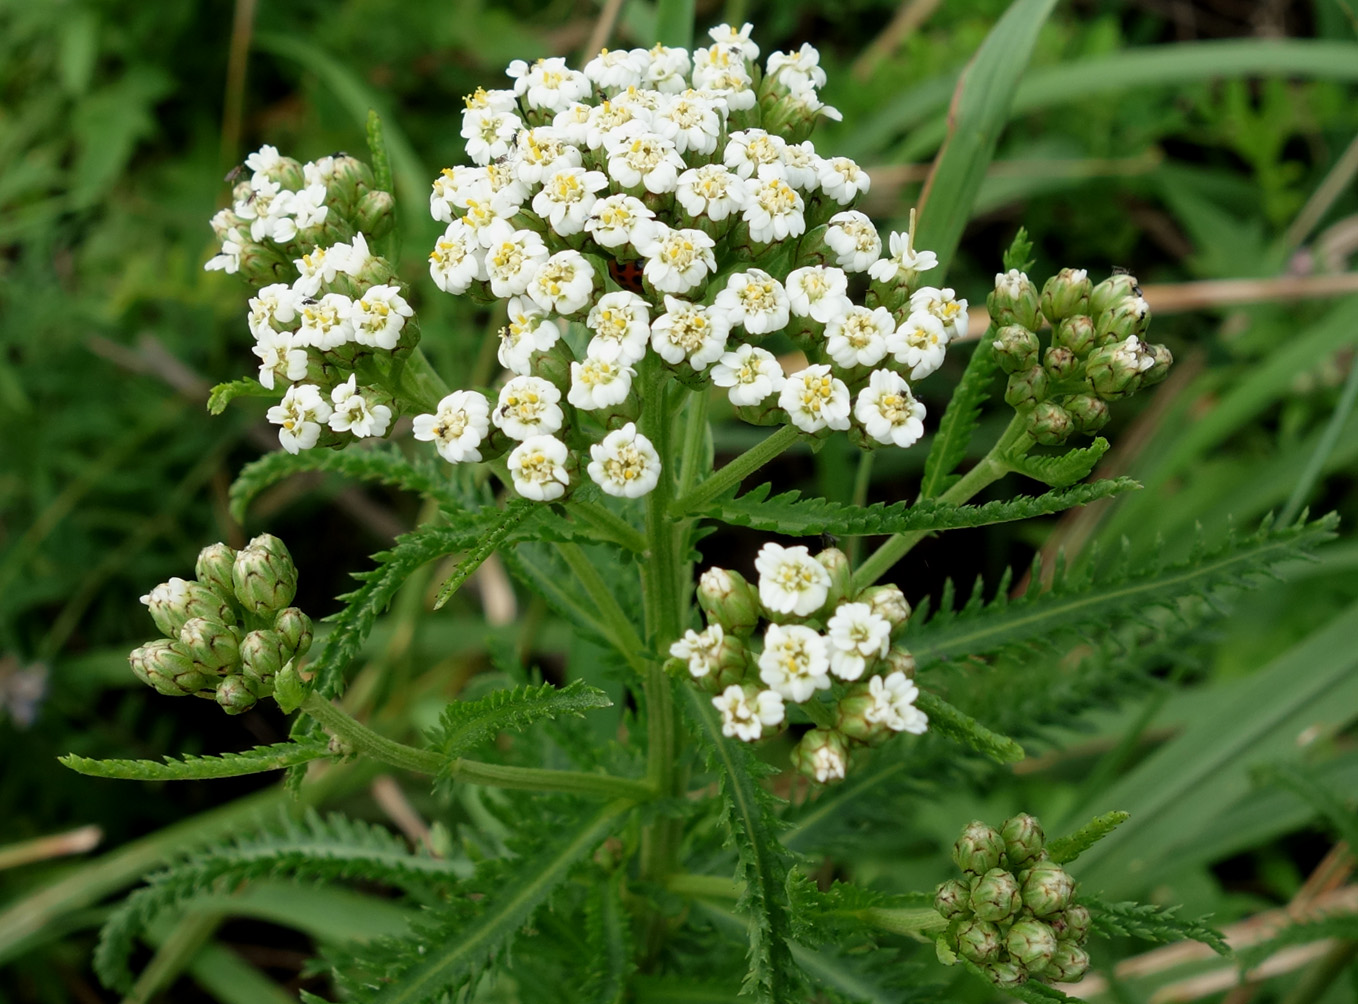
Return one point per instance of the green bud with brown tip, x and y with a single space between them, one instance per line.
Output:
1014 301
851 716
889 603
263 575
729 600
213 646
978 940
1158 370
1112 290
1016 348
1032 944
951 899
174 602
1050 424
375 214
167 667
1071 924
1023 840
213 569
1068 963
979 849
995 896
234 696
1076 333
1066 293
1089 413
1060 363
1006 974
1115 371
898 660
1047 889
1027 388
1127 317
261 657
294 631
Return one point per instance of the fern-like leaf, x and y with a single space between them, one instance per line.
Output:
224 393
1151 923
196 768
1320 797
960 419
791 514
489 542
951 722
1340 925
466 725
1063 469
609 934
1064 849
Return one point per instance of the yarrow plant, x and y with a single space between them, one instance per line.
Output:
657 236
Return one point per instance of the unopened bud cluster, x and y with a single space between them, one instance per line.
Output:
821 640
329 316
230 631
1096 353
1013 913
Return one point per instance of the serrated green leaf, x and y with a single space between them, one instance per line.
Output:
1064 849
488 543
467 725
959 421
1062 470
1319 796
962 728
196 768
377 150
224 393
1343 926
791 514
1151 923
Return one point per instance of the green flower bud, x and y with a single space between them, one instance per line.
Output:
951 898
729 600
294 631
167 667
851 716
995 895
289 690
348 176
234 696
213 569
286 173
1006 974
1014 300
212 646
889 603
1023 840
1068 963
173 603
836 562
261 264
1050 424
1060 363
1076 333
1016 348
1114 371
1110 291
1071 924
1047 889
1032 944
375 215
1066 293
1089 413
264 576
261 657
978 940
1027 388
979 849
898 660
822 755
1127 317
1158 370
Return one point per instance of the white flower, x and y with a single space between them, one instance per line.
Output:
795 661
748 151
854 240
773 209
620 219
1012 284
755 300
843 180
300 414
893 704
528 407
827 763
454 187
512 259
815 400
272 308
858 336
228 260
699 649
888 411
489 134
540 152
943 304
457 427
563 284
355 413
790 580
538 468
856 635
801 166
625 464
599 383
617 69
263 160
726 36
507 192
548 83
457 259
309 208
609 121
797 71
352 258
920 343
494 100
691 122
268 207
745 718
529 331
645 159
567 197
1132 355
379 316
903 258
677 261
751 373
278 357
325 322
621 323
573 123
320 265
818 292
668 69
712 190
319 171
690 331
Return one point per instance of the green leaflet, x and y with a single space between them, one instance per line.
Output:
791 514
195 768
1069 848
609 933
377 149
959 420
224 393
762 861
1320 796
956 725
487 544
466 725
1062 470
1151 923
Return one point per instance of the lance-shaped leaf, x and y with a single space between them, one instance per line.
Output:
1064 849
224 393
467 725
197 768
505 524
1063 469
962 728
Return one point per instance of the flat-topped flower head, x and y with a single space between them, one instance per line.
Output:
566 198
858 336
513 257
563 284
819 292
903 259
325 323
856 634
773 209
701 650
378 317
755 300
621 323
529 331
854 240
888 412
599 383
528 407
355 414
920 343
893 704
791 581
537 467
843 180
548 84
278 357
691 121
815 399
744 715
489 134
945 305
616 220
273 308
617 69
711 191
626 465
690 331
797 71
677 261
300 415
458 427
752 151
646 160
750 373
457 260
795 661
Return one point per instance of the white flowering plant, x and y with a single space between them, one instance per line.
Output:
662 242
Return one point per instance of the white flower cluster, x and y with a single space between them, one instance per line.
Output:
643 168
816 640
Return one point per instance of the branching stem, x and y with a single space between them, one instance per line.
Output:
733 473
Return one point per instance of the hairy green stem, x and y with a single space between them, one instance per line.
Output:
704 886
733 473
617 529
621 630
908 921
694 449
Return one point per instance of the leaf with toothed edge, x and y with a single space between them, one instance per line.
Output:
195 768
224 393
1061 471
